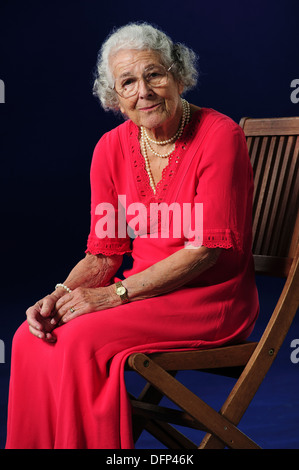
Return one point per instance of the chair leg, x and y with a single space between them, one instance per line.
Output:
194 406
169 436
151 395
211 442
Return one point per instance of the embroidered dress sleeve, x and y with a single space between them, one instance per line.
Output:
225 187
108 234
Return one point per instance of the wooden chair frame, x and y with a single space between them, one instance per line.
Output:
273 147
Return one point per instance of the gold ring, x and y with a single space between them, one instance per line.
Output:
72 309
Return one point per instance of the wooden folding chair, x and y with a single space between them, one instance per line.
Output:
273 147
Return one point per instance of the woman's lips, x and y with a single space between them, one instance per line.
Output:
149 108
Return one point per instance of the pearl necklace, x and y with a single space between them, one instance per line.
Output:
145 142
147 165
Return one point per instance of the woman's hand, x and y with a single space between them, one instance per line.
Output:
39 317
93 270
84 300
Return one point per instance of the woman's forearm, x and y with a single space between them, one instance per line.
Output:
171 273
93 271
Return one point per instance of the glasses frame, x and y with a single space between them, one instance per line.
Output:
151 86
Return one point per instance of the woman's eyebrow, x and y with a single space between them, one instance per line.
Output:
126 74
131 74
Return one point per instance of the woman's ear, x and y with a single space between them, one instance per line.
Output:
180 87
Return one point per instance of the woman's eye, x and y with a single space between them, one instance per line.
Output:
153 75
128 82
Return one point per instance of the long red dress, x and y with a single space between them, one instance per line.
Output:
72 394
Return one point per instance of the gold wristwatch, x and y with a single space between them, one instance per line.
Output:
122 292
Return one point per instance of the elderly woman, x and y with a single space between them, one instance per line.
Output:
67 382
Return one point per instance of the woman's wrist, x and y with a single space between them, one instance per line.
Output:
63 286
59 292
114 299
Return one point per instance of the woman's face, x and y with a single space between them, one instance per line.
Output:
150 107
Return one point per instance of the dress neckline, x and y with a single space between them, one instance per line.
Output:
146 193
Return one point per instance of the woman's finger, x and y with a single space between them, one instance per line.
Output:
70 311
32 313
38 333
60 309
47 306
63 300
34 323
50 338
46 336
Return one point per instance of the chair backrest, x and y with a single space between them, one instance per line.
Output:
273 146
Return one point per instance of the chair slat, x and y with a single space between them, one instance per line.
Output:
229 356
271 126
272 200
264 196
291 193
259 193
278 178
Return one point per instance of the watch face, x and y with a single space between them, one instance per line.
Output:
121 290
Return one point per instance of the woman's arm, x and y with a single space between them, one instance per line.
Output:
165 276
171 273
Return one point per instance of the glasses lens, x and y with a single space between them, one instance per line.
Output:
126 87
154 76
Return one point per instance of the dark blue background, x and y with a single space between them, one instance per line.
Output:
50 124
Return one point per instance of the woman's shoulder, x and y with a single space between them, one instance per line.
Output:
111 148
111 143
213 120
220 133
215 128
216 124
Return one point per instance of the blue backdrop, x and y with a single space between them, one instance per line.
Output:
50 122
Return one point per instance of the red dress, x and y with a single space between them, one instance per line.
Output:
72 394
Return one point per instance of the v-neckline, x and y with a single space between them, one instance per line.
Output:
146 193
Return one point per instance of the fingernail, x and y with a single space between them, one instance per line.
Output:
51 338
53 321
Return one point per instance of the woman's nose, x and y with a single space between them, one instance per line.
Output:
144 89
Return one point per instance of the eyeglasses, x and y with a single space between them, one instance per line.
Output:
154 75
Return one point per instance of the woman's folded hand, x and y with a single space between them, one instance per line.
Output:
39 317
84 300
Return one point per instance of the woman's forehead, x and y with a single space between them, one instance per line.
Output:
130 61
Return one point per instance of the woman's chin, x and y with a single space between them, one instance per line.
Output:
152 121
